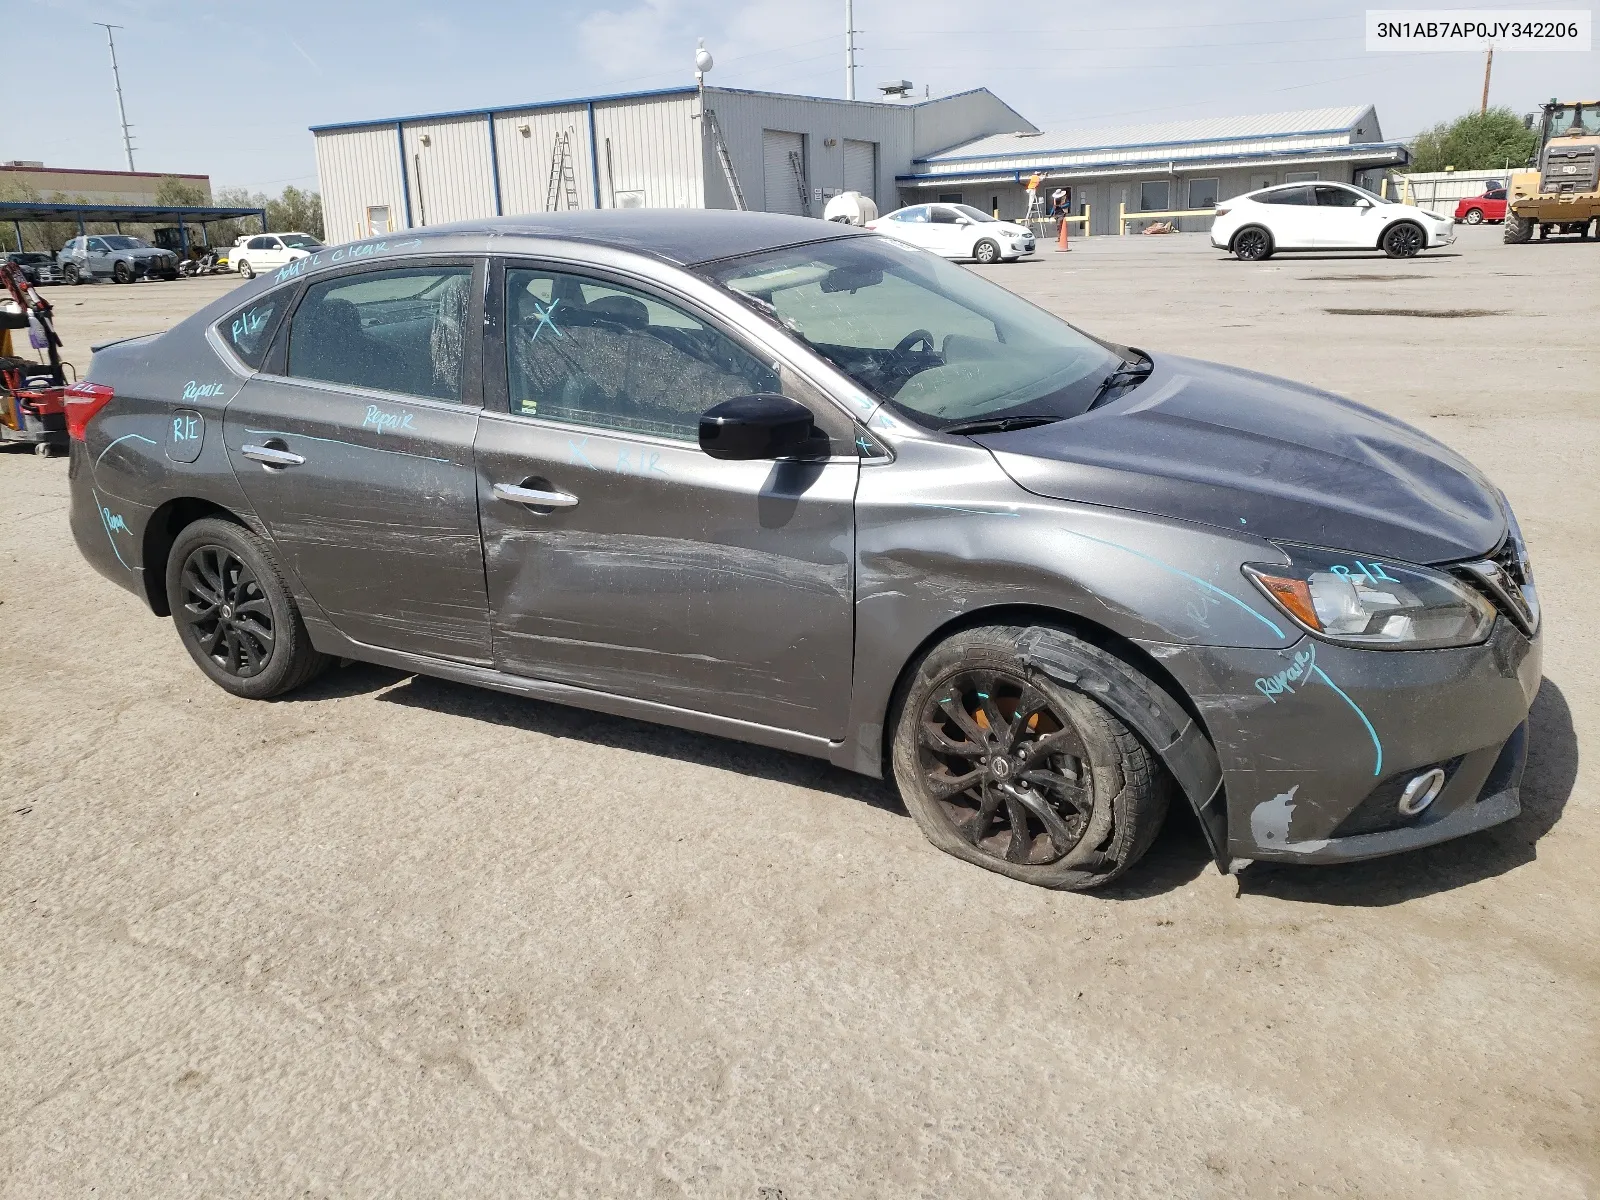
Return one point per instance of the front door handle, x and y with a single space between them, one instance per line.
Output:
534 497
272 456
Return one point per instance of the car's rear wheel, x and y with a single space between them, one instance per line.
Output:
234 614
986 251
69 274
122 272
1517 229
1252 244
1006 768
1403 240
1474 216
246 269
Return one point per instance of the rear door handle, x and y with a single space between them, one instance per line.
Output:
272 456
534 497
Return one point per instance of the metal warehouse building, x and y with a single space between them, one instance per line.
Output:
790 153
1158 167
643 149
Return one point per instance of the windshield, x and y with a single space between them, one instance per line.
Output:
1565 116
119 242
976 214
938 342
299 241
28 257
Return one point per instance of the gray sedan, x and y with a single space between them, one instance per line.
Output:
792 483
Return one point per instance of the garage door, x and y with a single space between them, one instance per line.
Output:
784 190
861 168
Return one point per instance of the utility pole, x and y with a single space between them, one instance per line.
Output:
1487 63
116 77
849 49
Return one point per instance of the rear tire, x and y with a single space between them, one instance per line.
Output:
1403 239
1474 216
986 251
234 615
1517 231
246 270
1252 244
1086 795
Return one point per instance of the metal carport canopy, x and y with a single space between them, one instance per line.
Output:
140 214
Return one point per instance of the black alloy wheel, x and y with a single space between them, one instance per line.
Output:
1252 244
228 614
1403 240
122 273
1010 771
69 274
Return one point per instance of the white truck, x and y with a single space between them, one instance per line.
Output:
252 255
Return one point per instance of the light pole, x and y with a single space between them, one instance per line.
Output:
849 49
116 78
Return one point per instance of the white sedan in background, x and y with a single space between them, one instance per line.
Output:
268 251
956 231
1325 216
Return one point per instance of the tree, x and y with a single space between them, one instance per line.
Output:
296 210
1474 142
177 193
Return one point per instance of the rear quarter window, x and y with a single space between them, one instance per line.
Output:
248 331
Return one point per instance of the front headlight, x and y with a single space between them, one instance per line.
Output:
1374 604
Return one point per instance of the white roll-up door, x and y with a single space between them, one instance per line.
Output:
778 171
861 168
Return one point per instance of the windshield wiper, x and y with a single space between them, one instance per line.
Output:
1131 372
1000 424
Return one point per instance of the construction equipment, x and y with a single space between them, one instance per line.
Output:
1560 190
32 393
563 183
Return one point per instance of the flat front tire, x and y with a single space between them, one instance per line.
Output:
234 615
1013 771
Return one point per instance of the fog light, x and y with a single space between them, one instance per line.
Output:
1421 792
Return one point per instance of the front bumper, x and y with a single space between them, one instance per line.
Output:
1442 235
1313 773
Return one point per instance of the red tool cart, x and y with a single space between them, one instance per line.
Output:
32 393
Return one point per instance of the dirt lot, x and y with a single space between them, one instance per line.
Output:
399 937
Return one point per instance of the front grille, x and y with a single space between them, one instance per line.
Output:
1568 169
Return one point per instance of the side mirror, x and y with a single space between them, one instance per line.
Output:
1363 203
753 427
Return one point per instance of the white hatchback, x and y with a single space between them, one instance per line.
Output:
1325 216
956 231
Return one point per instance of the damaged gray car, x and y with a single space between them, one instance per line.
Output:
788 482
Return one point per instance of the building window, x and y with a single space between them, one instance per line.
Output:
1155 196
949 197
378 220
1299 176
1202 193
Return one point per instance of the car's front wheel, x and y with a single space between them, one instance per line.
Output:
246 269
1474 216
122 272
1252 244
1403 240
1005 767
234 614
69 274
986 251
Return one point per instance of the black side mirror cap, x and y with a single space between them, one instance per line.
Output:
754 427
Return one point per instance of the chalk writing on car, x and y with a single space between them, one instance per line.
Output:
114 521
194 390
1273 686
385 422
250 322
1372 572
185 429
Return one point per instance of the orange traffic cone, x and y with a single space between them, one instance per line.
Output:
1061 238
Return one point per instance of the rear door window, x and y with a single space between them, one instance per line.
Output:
398 331
248 331
1294 195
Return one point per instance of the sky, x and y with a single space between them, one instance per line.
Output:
227 89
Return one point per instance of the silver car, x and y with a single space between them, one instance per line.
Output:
789 482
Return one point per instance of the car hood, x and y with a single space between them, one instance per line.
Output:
1244 451
146 252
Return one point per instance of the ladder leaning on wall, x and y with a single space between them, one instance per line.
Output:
563 183
799 168
723 157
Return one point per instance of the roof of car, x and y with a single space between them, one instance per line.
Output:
686 236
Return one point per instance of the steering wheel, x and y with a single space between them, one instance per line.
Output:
903 346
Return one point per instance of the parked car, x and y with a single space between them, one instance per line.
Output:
956 231
251 256
37 266
1475 210
1324 216
785 481
115 256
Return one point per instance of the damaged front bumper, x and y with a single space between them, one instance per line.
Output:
1317 742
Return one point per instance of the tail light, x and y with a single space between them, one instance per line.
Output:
83 400
1223 210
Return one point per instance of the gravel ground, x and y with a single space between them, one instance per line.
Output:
393 936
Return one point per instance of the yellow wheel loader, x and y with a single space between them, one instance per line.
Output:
1560 190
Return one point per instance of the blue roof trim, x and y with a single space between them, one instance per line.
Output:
1353 150
580 101
1240 137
